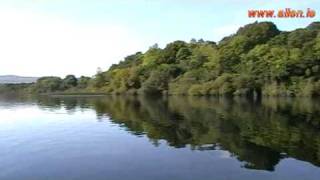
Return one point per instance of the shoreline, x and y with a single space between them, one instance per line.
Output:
91 94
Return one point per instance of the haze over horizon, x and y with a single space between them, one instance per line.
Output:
42 38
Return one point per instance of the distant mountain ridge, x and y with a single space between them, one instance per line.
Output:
13 79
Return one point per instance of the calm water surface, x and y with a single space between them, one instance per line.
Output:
175 138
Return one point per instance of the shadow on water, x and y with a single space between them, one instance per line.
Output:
259 134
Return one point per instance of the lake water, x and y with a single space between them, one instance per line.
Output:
148 138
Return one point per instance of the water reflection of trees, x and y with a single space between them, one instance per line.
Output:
257 133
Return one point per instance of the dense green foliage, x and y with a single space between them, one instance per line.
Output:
257 60
16 88
56 84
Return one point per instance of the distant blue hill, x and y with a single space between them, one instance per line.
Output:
13 79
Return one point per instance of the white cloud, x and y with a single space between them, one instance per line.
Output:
36 44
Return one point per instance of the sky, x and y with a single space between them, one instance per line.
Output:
61 37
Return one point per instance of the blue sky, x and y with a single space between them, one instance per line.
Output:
57 34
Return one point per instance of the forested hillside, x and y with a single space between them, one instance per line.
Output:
257 60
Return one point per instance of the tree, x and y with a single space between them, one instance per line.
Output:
152 56
48 84
171 50
69 81
83 82
183 54
99 79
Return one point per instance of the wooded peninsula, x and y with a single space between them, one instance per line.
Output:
258 60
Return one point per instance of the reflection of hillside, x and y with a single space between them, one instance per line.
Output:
258 133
